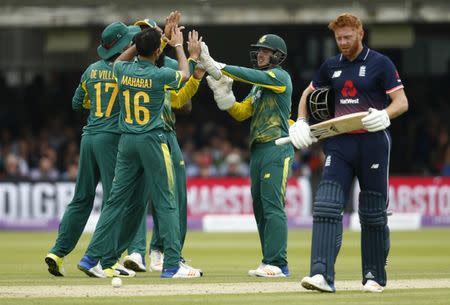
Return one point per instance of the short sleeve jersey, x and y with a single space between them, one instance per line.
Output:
362 83
97 92
142 88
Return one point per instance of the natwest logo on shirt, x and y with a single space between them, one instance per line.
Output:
349 90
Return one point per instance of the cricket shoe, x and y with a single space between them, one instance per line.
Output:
91 267
156 260
134 262
266 270
55 264
372 286
180 272
117 270
252 272
317 282
183 264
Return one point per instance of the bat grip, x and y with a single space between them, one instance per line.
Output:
282 141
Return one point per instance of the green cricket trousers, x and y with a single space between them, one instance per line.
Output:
269 170
97 161
139 155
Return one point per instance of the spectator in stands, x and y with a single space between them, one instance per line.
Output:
233 166
71 171
46 170
11 165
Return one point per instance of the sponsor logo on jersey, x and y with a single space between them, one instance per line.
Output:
349 91
347 101
336 74
375 166
369 275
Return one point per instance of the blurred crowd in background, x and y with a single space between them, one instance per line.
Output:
40 134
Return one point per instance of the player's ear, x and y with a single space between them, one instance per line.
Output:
158 52
361 34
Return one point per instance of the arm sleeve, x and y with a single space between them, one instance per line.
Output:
271 79
241 111
390 78
321 78
171 78
179 98
81 99
173 64
163 44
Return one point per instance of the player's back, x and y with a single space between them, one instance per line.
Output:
142 88
101 93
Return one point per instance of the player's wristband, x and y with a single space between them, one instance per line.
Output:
192 64
178 45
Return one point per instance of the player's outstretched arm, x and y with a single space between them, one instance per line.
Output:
179 99
177 43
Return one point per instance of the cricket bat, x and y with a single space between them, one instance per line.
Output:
343 124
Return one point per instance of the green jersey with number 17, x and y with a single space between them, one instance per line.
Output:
142 87
97 92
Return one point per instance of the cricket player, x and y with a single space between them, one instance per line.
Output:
96 92
179 101
362 79
269 106
143 151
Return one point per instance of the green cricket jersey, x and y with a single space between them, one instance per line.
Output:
167 113
268 103
97 92
142 89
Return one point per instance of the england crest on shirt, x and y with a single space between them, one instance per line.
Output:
362 71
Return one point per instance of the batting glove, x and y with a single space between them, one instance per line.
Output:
211 66
376 120
223 95
300 134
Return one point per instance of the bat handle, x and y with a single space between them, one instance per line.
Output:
282 141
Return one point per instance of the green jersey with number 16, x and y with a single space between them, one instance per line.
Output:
142 87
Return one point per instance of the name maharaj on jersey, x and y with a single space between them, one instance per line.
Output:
136 82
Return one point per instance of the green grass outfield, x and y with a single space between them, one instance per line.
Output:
225 258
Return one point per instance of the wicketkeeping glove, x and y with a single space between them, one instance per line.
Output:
223 95
211 66
300 134
376 120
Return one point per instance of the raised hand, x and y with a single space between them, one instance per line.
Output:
209 64
194 44
176 38
172 22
